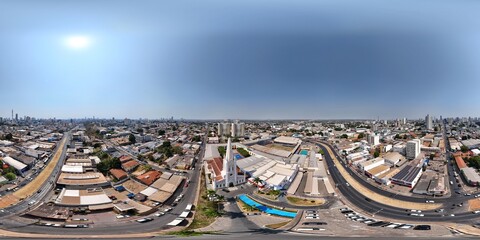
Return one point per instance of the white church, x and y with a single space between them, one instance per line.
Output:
224 173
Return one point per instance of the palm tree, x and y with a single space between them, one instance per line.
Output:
211 192
257 180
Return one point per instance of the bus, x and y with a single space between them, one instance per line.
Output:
189 207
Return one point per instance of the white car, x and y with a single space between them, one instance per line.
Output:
430 201
167 209
393 225
475 212
406 226
159 214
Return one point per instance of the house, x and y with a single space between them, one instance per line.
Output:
149 177
118 174
130 165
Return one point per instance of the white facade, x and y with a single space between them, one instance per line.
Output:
373 139
428 122
231 129
412 148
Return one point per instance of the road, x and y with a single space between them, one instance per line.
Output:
353 196
131 226
45 189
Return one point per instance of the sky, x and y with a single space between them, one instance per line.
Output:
240 59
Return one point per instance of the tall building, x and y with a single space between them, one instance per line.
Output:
16 117
231 129
412 149
428 122
404 121
373 139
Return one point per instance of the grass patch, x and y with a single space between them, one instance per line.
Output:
243 152
222 151
206 211
186 233
305 201
246 208
277 225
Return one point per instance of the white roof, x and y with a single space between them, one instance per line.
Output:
14 163
94 199
276 180
149 191
71 193
72 169
288 140
476 151
95 159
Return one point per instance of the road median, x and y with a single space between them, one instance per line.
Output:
375 196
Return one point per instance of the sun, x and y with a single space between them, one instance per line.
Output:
78 42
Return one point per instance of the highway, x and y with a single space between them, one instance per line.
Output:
356 198
130 226
45 189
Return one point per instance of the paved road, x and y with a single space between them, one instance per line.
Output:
380 209
130 226
45 189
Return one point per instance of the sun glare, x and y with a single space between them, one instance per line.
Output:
78 42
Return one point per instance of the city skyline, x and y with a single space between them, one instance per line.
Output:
242 60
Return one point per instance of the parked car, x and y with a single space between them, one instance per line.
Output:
144 220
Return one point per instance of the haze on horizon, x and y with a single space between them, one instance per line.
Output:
239 59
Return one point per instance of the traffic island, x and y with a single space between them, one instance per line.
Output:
305 202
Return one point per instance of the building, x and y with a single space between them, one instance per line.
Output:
231 129
373 139
19 166
428 122
224 172
408 176
412 149
394 159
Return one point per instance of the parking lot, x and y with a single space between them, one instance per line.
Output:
335 222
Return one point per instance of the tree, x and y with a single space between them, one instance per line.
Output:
10 176
196 138
376 153
344 136
147 167
9 136
464 149
397 136
131 138
161 132
222 151
257 180
361 135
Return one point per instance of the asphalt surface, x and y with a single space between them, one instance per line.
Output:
379 209
130 226
45 189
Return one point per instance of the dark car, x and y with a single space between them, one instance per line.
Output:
314 223
422 227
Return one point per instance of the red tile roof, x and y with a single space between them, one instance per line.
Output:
460 163
216 166
125 158
130 165
149 177
118 173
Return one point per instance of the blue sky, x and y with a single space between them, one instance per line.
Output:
240 59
